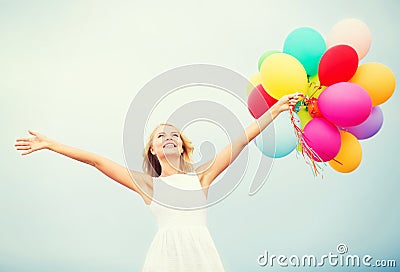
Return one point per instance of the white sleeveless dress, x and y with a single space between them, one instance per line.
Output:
182 242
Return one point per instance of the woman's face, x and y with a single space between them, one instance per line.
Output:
166 142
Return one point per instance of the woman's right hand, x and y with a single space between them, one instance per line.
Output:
32 144
288 101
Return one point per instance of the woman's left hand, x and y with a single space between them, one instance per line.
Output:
288 101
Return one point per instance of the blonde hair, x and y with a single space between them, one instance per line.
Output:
151 164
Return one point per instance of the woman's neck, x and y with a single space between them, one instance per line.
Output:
170 166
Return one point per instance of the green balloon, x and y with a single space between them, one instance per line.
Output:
266 55
304 116
306 45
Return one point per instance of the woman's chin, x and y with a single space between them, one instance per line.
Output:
171 152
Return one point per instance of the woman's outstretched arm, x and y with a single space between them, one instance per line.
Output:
210 170
133 180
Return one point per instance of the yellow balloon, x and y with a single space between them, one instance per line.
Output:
305 117
255 80
350 154
283 74
377 79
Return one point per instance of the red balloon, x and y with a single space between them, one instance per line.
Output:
313 108
338 64
259 101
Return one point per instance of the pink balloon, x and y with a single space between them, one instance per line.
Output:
323 137
345 104
369 127
351 32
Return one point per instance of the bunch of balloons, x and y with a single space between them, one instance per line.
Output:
342 96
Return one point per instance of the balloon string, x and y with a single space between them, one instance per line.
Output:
315 88
309 155
299 132
307 152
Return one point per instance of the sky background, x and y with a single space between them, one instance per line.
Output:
70 69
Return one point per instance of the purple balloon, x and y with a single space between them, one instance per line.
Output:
369 127
345 104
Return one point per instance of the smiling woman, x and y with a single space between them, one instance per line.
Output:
182 242
166 139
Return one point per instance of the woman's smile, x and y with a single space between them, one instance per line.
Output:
169 144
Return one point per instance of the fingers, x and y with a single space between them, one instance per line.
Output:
26 153
296 95
23 140
293 99
24 147
289 101
27 147
22 144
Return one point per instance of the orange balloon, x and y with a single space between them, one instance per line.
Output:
377 79
350 154
313 109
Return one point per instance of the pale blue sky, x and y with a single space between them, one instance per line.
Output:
69 69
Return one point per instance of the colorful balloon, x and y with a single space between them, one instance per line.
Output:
299 148
369 127
259 101
338 64
304 116
314 79
266 55
278 139
306 45
313 108
345 104
315 88
350 154
377 79
352 32
323 137
282 74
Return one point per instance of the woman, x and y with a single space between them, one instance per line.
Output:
182 242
